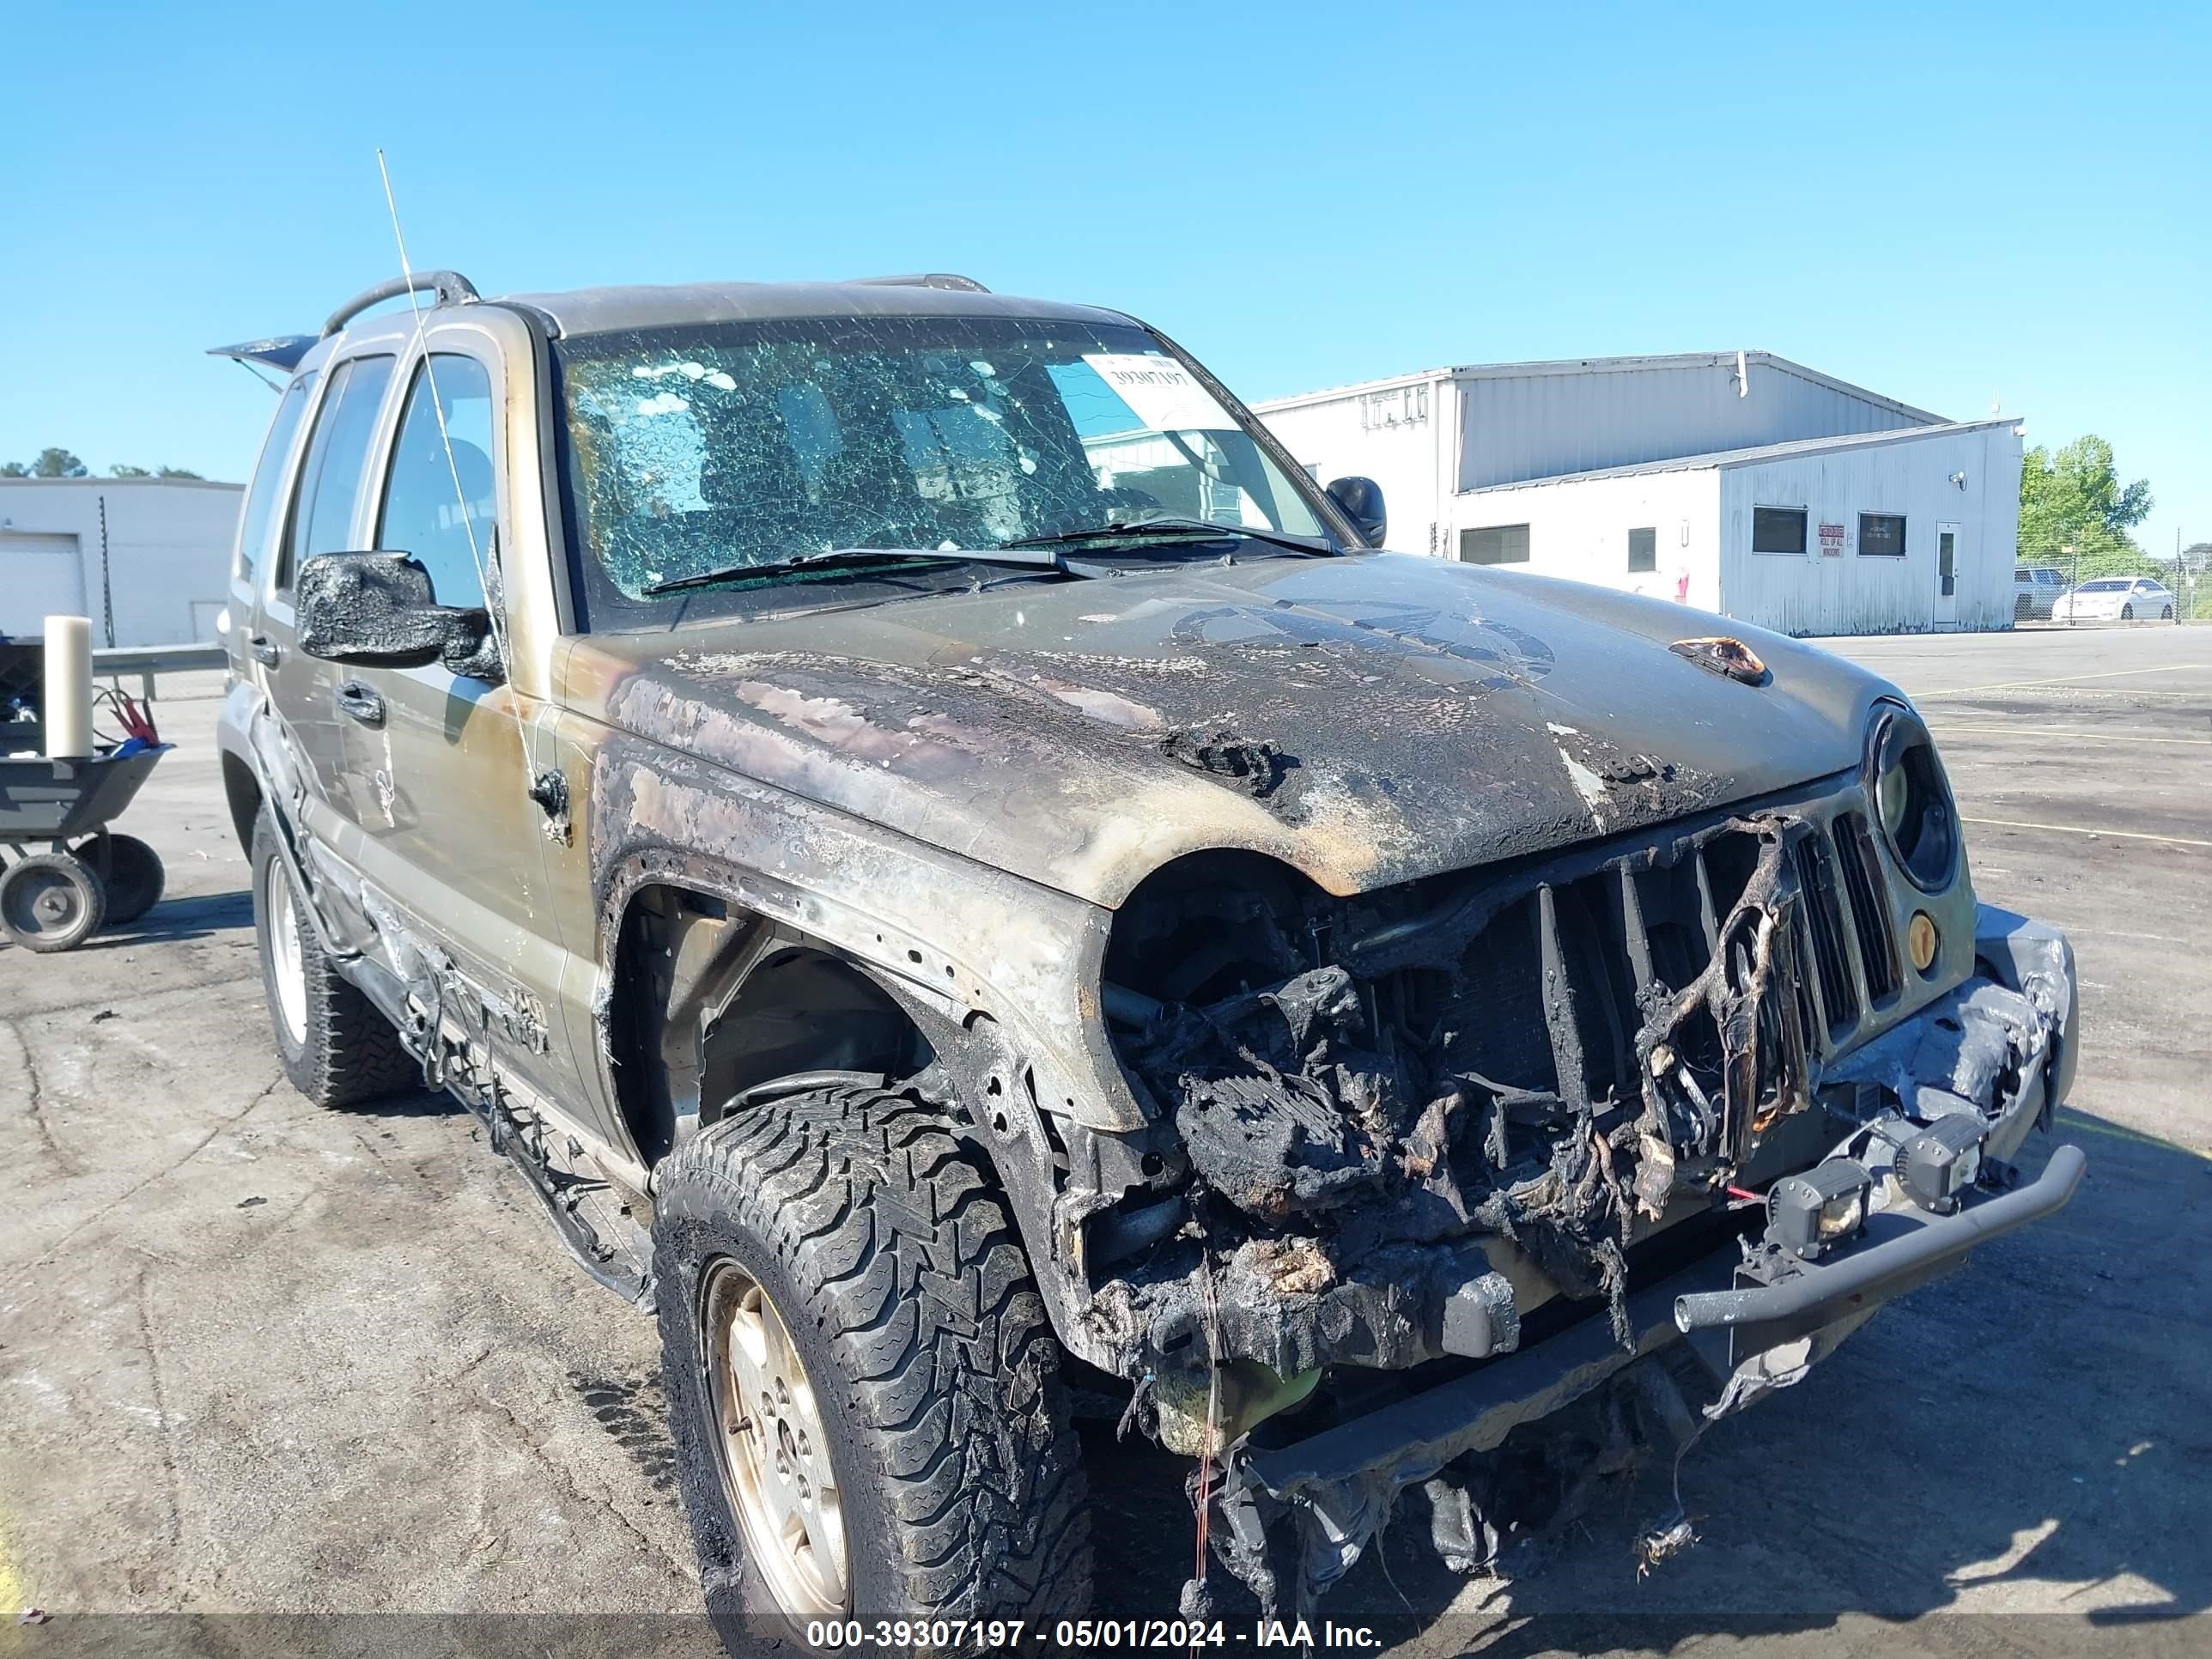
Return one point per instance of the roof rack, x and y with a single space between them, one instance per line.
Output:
451 288
946 279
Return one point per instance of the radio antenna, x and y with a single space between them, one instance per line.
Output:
489 577
494 586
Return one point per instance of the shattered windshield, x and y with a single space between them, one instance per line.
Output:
698 448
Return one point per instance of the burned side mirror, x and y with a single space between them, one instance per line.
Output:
378 610
1360 500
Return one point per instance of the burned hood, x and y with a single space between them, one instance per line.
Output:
1368 719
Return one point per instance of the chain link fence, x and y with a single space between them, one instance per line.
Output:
2188 579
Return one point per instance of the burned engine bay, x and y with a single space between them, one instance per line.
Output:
1411 1117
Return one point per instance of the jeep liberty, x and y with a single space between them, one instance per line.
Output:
964 878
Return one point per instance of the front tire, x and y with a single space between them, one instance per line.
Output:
838 1251
337 1048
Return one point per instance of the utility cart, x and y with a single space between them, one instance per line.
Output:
87 877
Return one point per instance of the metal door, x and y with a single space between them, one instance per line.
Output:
302 750
41 576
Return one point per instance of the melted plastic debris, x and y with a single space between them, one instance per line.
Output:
1258 766
1724 655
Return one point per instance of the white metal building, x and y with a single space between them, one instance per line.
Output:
1736 481
147 559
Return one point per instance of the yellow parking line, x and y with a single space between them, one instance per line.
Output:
2074 731
2061 679
2077 830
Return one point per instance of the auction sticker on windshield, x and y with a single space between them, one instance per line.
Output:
1160 392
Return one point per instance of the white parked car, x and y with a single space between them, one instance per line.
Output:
2115 599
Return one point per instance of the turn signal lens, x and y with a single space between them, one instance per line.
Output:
1920 940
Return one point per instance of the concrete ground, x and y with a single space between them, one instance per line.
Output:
257 1359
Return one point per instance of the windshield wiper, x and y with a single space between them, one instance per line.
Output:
1166 528
854 558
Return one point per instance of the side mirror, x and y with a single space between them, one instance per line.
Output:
1360 500
378 609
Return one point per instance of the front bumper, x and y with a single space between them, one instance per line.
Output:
1412 1438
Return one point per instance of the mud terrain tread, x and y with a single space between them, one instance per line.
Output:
913 1271
352 1054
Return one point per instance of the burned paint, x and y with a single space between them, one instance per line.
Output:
377 608
1035 732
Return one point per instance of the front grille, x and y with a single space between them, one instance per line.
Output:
1824 927
1552 981
1552 992
1864 887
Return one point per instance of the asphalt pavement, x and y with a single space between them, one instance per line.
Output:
327 1380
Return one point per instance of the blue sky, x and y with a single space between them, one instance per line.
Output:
1950 206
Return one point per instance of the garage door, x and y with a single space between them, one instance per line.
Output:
39 576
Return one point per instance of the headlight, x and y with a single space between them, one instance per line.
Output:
1911 798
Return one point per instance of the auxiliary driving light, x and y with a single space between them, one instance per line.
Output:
1806 1213
1941 1161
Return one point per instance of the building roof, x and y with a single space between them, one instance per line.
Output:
1603 366
1728 458
94 480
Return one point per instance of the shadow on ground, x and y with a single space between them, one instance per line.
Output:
2033 1434
197 917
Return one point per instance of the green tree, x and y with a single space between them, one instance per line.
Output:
56 463
124 469
174 472
2074 497
14 469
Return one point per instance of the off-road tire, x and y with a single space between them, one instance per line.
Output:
349 1055
891 1258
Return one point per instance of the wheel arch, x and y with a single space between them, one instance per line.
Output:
706 998
241 791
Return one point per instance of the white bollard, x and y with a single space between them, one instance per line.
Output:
67 705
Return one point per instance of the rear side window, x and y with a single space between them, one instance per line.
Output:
337 454
276 452
438 508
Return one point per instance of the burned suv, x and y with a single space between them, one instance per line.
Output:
952 865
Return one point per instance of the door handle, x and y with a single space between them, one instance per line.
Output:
264 650
360 702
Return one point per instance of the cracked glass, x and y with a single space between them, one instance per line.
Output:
754 444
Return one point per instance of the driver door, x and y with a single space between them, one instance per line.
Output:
438 763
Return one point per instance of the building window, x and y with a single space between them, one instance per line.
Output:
1642 549
1497 543
1405 405
1778 530
1882 535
